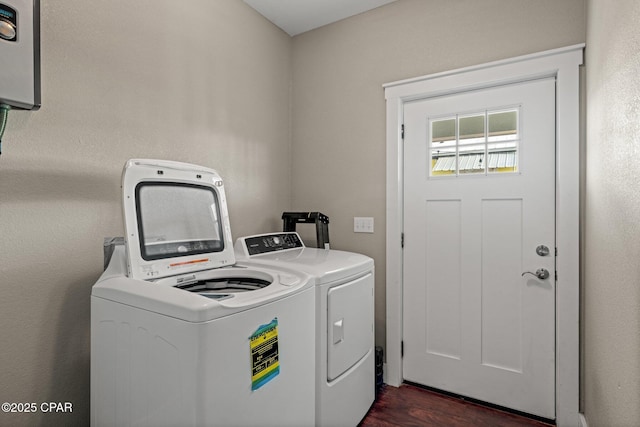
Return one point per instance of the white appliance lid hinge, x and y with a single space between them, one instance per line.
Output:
402 240
402 131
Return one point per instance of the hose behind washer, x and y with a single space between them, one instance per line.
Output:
4 113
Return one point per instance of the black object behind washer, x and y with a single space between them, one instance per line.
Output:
290 219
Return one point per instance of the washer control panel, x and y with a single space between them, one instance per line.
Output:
266 243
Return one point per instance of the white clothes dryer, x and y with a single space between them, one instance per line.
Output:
345 370
182 334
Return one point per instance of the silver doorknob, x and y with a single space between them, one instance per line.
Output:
541 273
542 250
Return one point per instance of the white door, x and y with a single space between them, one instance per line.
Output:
479 199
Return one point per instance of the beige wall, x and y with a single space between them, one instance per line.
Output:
338 100
206 82
612 224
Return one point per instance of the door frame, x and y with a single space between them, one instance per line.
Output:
562 64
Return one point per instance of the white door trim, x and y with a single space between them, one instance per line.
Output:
563 64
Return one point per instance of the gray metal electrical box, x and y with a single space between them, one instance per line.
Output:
20 53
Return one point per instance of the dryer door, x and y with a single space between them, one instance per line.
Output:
349 324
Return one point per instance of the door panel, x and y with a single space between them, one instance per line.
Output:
443 269
349 328
478 199
501 308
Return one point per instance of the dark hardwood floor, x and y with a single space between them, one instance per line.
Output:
410 406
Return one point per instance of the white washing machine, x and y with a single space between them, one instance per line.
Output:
345 370
181 334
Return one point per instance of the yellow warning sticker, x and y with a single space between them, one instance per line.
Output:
264 354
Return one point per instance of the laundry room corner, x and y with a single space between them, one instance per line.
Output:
120 81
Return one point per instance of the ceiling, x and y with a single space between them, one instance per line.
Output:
298 16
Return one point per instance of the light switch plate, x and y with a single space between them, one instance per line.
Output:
362 224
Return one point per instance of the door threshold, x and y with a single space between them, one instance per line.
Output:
548 421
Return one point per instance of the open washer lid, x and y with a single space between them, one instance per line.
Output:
176 219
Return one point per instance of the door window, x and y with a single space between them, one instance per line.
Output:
479 143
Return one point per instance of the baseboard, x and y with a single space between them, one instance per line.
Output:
583 421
